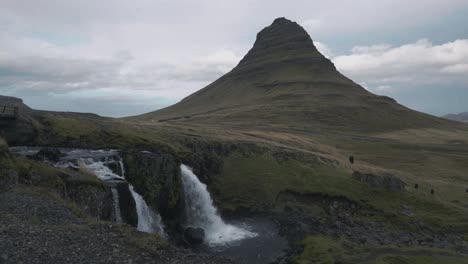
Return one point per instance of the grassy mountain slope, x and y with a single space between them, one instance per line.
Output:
462 117
284 81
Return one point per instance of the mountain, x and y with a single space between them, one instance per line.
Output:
285 81
462 117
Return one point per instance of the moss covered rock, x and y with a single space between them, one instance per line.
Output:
155 174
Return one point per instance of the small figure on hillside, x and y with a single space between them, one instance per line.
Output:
432 191
351 159
416 186
466 190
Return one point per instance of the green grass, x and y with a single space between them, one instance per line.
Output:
255 181
327 250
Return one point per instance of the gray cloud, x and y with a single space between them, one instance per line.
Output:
147 54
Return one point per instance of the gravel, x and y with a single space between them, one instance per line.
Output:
37 228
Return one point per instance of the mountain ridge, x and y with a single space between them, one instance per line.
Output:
460 117
285 81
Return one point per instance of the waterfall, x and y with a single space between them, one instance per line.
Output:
148 221
202 213
117 214
122 168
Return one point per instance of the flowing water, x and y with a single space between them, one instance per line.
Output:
202 213
116 205
248 240
252 240
148 221
98 161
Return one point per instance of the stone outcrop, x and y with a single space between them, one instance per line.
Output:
283 41
387 181
19 130
48 154
155 174
94 199
127 204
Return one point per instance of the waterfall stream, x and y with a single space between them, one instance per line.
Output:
148 221
202 213
116 206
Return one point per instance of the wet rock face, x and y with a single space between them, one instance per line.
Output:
155 174
127 204
387 181
194 235
48 154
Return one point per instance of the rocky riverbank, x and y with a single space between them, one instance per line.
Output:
38 227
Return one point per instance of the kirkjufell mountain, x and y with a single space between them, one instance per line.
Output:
285 80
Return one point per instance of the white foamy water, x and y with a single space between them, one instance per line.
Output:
148 221
202 213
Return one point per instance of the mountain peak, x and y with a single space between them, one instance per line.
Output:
284 40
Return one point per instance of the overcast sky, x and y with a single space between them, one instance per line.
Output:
121 57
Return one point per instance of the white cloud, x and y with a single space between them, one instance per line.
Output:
419 62
324 49
161 50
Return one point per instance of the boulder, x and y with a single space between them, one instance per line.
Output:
48 154
387 181
194 235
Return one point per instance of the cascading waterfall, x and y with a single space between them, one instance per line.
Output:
117 213
148 221
98 162
202 213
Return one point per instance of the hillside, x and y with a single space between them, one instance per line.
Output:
461 117
284 81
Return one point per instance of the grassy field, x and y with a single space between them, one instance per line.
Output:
315 161
327 250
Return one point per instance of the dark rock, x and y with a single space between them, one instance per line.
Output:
94 199
127 204
8 179
194 235
155 174
48 154
387 181
406 211
287 41
20 129
115 168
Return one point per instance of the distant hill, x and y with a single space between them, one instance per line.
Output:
462 117
285 81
